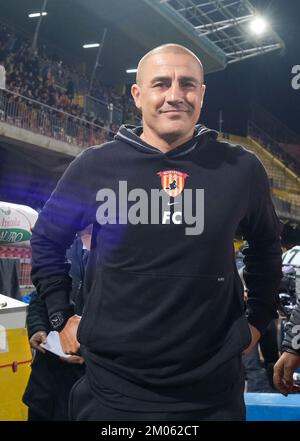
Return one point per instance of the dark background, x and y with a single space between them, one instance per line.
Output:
264 79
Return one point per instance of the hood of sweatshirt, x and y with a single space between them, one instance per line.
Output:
131 135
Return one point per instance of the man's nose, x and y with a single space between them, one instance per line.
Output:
174 93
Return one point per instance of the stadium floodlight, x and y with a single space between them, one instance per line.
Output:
258 25
131 71
37 14
89 46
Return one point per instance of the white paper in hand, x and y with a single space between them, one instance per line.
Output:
53 344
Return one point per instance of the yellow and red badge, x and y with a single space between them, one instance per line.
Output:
172 182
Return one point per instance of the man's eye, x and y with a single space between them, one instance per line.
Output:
188 85
159 84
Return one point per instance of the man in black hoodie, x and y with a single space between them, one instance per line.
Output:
164 325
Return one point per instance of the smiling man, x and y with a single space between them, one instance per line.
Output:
164 326
169 92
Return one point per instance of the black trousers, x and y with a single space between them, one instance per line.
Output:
256 374
83 406
260 375
48 388
269 344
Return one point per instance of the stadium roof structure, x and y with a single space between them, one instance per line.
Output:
216 30
225 23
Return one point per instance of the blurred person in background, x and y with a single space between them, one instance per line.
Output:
259 374
289 361
52 376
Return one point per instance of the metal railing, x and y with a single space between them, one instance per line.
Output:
280 176
106 111
272 125
272 146
32 115
286 210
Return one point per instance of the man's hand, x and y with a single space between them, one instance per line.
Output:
255 336
36 339
283 373
68 336
74 359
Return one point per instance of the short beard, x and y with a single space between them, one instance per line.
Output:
170 138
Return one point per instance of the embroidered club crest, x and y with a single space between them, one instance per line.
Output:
172 182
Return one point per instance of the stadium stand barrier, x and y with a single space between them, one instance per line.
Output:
285 183
106 111
29 114
272 146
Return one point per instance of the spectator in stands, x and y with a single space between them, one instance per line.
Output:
36 76
70 89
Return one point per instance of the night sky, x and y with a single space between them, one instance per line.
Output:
264 79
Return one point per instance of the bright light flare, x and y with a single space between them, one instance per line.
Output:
37 14
258 25
90 45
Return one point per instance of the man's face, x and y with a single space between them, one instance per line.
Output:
170 95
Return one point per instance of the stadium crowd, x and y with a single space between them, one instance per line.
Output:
45 79
48 80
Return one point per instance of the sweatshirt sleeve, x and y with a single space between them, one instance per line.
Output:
68 210
37 316
261 228
291 338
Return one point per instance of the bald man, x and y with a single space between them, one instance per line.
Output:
164 325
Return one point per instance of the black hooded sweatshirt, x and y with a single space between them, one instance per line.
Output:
164 323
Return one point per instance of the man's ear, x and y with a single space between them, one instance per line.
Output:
136 95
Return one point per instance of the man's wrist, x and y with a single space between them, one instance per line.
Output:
289 350
37 329
59 319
